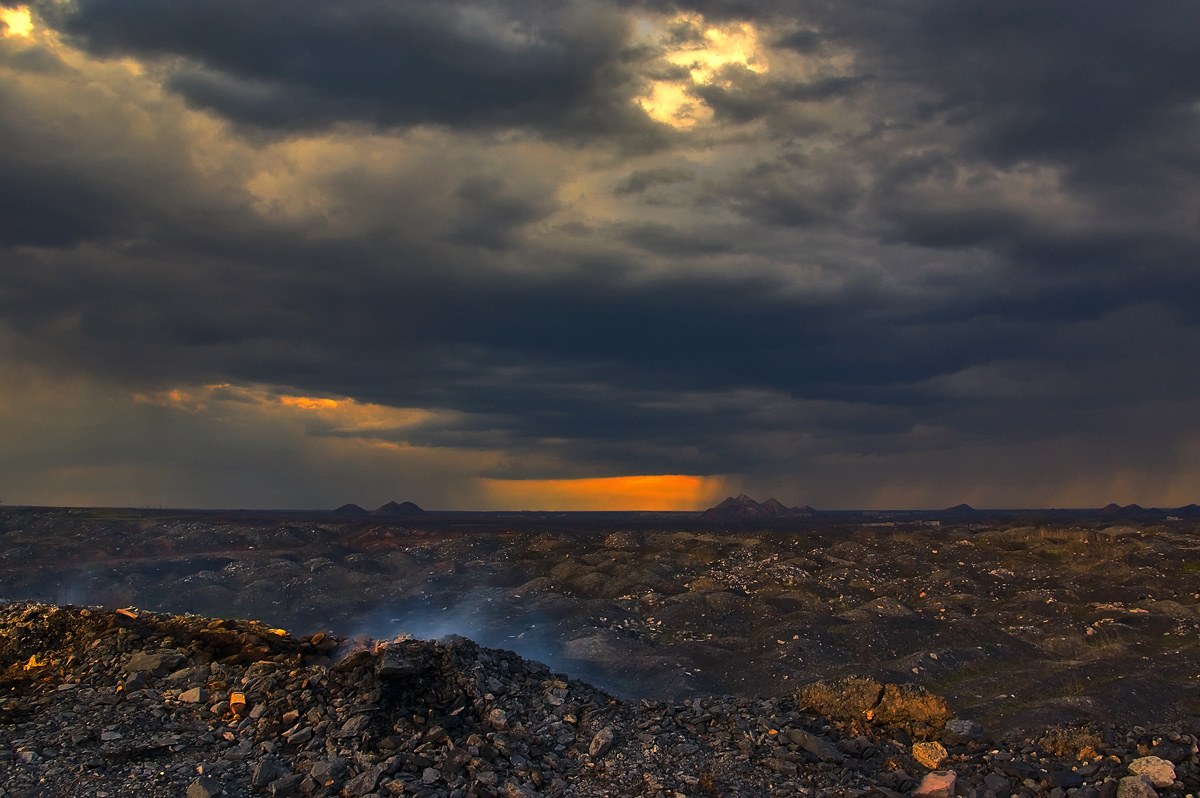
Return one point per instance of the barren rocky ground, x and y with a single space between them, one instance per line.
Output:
111 703
1022 628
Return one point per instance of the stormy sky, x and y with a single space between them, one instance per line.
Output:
583 255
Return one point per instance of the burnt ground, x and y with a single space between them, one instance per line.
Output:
98 703
1019 626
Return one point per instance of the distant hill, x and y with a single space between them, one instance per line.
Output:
350 509
1190 511
1128 511
742 506
959 509
775 507
393 510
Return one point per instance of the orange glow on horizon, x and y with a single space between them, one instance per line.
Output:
663 493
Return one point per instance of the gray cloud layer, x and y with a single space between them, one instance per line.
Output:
946 241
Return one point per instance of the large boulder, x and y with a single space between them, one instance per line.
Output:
909 704
860 698
841 699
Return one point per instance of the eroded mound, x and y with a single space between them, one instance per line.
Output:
124 703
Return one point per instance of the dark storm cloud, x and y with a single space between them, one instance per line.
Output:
1106 93
959 225
1044 80
1103 96
642 179
792 193
310 64
49 213
496 347
804 40
490 214
668 240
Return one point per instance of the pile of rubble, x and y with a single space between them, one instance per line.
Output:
111 703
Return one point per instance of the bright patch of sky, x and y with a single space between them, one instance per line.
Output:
704 50
18 21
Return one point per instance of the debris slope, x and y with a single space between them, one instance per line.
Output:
124 703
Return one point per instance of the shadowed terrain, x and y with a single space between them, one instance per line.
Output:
1018 625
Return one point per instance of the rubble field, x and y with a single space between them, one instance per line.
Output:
125 703
1023 628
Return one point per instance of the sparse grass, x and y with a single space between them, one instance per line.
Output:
1071 551
974 673
1075 686
1105 643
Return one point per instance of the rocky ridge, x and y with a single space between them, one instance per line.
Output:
742 507
111 703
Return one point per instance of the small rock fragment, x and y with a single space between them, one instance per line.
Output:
997 784
285 785
514 790
355 726
364 782
300 736
1136 787
1062 777
601 743
1160 772
937 784
819 747
930 755
355 659
267 771
963 731
456 759
195 695
204 787
399 661
328 773
157 663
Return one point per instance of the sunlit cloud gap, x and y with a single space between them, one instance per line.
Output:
17 20
703 50
341 414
